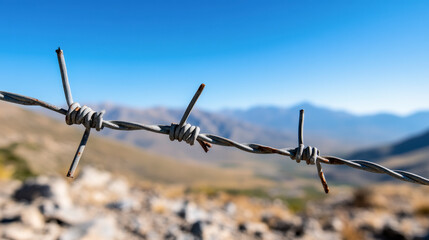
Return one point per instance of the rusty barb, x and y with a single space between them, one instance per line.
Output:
77 114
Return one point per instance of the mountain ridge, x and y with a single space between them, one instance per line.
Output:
364 130
335 132
269 167
410 144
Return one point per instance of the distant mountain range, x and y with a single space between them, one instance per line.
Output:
349 129
409 154
328 130
222 123
332 131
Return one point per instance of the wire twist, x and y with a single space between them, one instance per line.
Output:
188 133
85 116
308 154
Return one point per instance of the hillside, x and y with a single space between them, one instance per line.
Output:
284 172
334 132
405 146
48 146
410 154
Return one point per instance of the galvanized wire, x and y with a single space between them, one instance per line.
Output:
188 133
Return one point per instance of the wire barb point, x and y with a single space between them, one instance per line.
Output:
186 131
309 154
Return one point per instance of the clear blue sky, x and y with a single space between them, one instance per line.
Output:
361 56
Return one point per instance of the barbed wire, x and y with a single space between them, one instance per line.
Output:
76 114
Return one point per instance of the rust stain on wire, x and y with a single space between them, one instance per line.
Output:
76 114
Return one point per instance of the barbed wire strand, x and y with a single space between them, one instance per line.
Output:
75 114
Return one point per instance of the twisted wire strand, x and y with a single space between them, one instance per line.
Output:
75 114
221 141
187 133
85 116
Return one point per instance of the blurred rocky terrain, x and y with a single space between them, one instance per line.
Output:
100 205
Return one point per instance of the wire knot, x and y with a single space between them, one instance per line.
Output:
85 116
308 154
186 132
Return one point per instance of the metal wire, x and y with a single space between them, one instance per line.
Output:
188 133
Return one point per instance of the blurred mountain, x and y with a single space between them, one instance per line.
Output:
410 154
361 131
406 146
408 136
334 132
48 146
339 140
209 122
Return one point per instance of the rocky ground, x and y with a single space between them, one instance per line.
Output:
98 205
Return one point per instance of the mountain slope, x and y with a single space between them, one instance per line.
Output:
410 154
408 145
334 132
272 167
214 123
48 146
362 131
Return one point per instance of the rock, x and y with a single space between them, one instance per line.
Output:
106 208
31 191
123 205
230 208
335 224
32 217
242 227
118 187
256 228
180 208
152 235
311 229
100 187
137 225
207 230
391 233
194 213
51 231
93 178
279 224
8 220
68 216
191 212
258 235
170 236
18 232
55 189
100 228
197 229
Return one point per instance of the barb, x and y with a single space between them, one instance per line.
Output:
75 114
185 131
